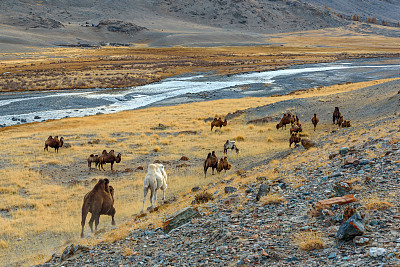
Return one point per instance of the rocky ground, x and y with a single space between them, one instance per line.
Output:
241 227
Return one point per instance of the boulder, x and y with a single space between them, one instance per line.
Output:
264 190
307 143
230 190
179 218
354 226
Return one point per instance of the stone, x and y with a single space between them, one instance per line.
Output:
360 240
343 150
351 161
336 174
307 144
230 190
264 190
196 189
184 158
179 218
341 189
326 203
332 255
364 162
354 226
377 252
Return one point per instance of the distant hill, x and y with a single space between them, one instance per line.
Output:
33 23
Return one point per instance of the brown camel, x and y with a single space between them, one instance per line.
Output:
223 164
286 119
93 159
109 158
54 143
218 123
315 121
294 139
210 162
336 115
99 201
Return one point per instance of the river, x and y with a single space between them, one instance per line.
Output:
17 108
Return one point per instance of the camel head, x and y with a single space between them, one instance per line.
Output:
61 141
118 158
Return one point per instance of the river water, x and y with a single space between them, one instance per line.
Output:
17 108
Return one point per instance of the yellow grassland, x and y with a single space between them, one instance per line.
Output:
42 192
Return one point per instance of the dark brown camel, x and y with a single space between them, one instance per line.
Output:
294 139
336 115
109 158
218 123
210 162
54 143
99 201
315 121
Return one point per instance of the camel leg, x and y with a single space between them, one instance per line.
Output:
205 171
145 190
163 194
96 222
155 198
151 198
112 163
84 214
112 220
91 221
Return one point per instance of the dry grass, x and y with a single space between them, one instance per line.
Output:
272 199
43 203
203 197
309 240
374 202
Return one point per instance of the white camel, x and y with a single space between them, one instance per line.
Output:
156 178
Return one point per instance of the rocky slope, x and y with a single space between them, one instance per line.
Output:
240 227
166 23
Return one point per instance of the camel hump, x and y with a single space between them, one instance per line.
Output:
91 155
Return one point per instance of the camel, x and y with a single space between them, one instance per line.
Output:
315 121
286 119
218 123
99 201
223 164
156 178
336 115
109 158
54 143
230 145
295 129
210 162
93 159
294 139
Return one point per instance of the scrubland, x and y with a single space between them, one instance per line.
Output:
42 191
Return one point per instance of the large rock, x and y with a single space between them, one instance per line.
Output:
307 144
181 217
264 190
351 228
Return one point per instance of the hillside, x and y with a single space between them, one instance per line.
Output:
26 25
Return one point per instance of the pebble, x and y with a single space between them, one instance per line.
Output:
377 252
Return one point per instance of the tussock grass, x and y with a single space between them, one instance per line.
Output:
272 199
309 240
3 244
374 202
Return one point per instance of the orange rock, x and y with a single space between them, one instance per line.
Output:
326 203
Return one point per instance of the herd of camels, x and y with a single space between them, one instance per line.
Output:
100 200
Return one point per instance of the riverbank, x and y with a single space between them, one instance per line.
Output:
49 187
